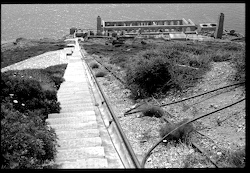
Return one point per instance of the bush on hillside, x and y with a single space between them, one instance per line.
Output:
181 133
239 64
26 143
56 73
119 60
57 79
236 159
220 56
27 97
28 94
158 70
144 77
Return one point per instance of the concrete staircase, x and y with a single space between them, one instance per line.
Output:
76 124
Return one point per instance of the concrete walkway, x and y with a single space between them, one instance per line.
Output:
77 125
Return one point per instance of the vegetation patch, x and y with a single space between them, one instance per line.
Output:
152 111
100 73
93 65
24 49
27 97
239 64
181 133
236 159
157 70
174 65
154 68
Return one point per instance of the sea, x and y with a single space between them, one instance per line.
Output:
37 21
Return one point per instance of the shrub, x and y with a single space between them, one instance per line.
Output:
119 60
232 47
236 158
25 141
28 94
152 111
93 65
179 134
220 56
57 79
56 73
158 70
144 77
56 69
238 63
100 73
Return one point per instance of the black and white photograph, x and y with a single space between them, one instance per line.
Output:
108 86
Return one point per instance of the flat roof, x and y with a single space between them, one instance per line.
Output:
147 20
148 26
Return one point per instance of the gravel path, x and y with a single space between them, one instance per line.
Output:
41 61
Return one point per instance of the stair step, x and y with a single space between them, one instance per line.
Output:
69 91
81 142
80 153
75 78
75 93
71 114
76 98
73 84
86 96
70 102
76 105
68 120
78 134
115 163
74 126
85 163
82 88
77 109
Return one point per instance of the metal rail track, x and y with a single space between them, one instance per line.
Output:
119 139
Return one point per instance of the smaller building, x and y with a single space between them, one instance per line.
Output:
207 27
